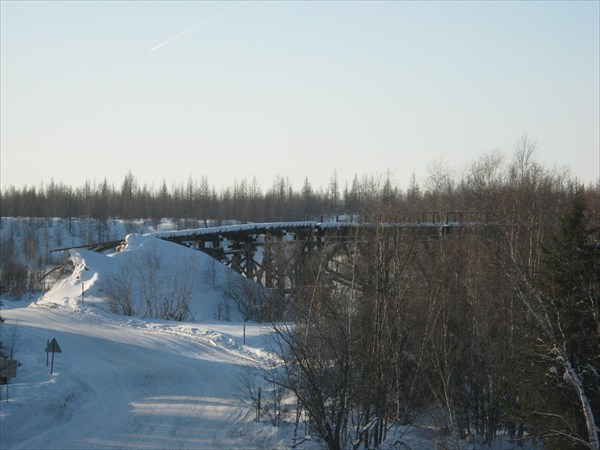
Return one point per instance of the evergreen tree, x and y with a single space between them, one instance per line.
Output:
571 289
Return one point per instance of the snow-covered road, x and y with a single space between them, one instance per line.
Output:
125 383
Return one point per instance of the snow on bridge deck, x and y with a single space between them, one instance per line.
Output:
283 228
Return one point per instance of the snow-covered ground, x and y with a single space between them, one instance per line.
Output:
128 383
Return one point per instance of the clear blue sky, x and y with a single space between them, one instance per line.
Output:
244 89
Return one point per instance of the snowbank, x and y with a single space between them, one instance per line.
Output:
151 270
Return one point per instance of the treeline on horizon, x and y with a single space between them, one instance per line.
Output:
246 201
194 199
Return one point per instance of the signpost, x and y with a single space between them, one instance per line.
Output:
52 347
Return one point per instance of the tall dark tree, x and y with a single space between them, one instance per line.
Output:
128 190
571 288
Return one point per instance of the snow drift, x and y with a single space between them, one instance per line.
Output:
151 278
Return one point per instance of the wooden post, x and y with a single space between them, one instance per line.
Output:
47 347
258 406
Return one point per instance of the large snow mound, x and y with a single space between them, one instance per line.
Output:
154 275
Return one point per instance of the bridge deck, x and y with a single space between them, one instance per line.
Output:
278 228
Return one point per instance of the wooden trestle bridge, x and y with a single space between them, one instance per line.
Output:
257 250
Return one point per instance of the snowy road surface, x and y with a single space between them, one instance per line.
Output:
125 383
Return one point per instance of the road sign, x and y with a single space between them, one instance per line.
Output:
53 347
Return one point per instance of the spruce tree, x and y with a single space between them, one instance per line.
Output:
570 285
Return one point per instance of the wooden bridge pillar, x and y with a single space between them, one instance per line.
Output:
249 250
267 262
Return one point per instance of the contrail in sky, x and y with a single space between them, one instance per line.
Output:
183 33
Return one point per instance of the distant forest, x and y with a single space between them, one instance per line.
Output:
196 199
245 201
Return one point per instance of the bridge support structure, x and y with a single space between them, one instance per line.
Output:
272 254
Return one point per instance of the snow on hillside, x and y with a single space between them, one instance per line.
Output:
31 239
157 271
36 237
